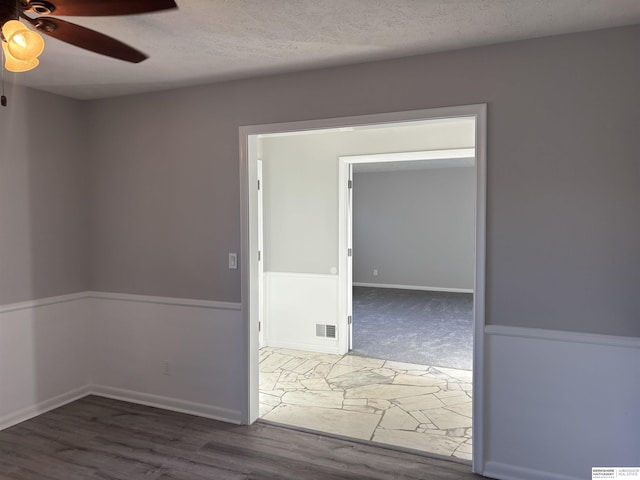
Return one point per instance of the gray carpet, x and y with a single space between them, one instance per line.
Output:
429 328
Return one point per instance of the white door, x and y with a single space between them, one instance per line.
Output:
261 315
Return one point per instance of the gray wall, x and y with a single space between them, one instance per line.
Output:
415 227
43 197
563 175
164 183
301 186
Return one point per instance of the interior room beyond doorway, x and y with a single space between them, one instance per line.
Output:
413 257
421 405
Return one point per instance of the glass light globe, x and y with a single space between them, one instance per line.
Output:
14 65
23 44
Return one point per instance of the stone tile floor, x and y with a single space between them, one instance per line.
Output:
403 404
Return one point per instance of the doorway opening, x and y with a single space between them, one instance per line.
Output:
408 227
330 335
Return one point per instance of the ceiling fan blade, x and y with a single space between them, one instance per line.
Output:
86 38
91 8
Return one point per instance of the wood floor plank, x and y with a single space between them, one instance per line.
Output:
381 459
101 439
331 456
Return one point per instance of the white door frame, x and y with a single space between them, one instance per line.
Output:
345 225
259 206
249 251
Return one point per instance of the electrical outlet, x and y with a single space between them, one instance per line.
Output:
166 368
375 272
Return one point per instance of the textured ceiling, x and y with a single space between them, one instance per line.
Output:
213 40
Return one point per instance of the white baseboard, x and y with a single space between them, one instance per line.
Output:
301 275
167 403
413 287
309 347
43 407
502 471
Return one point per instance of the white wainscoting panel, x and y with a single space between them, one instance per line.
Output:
295 303
556 403
171 353
44 356
559 403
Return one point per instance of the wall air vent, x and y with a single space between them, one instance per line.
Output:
327 331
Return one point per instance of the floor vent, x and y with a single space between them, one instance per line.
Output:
328 331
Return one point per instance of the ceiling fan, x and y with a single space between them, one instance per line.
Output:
22 45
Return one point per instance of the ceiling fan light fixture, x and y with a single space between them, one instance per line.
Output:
23 44
12 64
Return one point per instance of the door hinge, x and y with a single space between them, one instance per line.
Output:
350 184
258 184
349 320
349 252
259 255
259 326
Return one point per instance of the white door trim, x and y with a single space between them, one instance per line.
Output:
445 154
249 242
261 282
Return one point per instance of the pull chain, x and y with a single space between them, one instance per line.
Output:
3 99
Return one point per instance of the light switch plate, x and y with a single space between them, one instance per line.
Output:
233 261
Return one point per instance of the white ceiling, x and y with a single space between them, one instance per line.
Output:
205 41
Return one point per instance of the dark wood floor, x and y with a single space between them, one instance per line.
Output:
98 438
